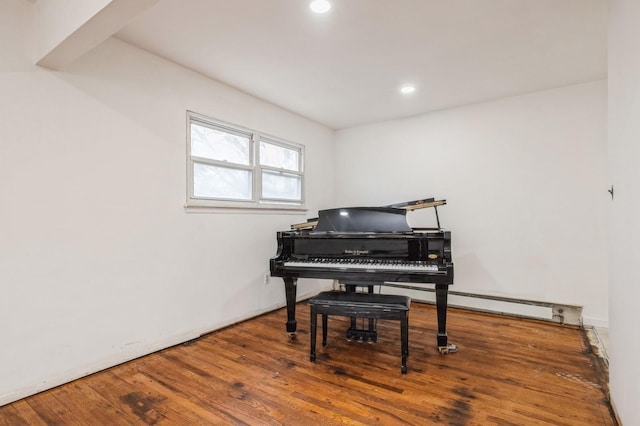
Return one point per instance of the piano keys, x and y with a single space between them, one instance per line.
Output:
355 264
366 246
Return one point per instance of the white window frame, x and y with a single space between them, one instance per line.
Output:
257 201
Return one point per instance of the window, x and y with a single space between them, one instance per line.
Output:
234 167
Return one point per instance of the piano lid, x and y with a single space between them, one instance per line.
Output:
362 219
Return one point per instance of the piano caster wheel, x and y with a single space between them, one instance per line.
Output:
403 369
449 349
292 335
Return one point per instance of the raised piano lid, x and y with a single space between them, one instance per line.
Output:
362 219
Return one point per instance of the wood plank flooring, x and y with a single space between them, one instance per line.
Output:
508 371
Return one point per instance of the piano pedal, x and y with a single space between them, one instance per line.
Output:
449 349
360 335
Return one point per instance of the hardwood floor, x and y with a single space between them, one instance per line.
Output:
508 371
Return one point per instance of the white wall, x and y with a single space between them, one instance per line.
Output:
524 179
624 171
99 262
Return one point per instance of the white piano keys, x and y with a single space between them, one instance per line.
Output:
361 265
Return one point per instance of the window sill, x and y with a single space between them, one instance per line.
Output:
196 207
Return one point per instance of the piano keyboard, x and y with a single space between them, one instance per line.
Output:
384 265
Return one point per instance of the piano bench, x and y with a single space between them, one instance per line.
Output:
361 305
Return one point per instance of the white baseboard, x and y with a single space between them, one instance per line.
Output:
595 322
132 352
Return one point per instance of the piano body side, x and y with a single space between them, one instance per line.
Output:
422 244
421 248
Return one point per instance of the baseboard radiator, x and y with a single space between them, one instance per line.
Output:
548 311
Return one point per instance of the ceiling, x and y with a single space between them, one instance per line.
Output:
345 67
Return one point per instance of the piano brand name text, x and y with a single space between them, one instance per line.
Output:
356 252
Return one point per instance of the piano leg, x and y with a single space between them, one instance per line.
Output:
290 289
442 291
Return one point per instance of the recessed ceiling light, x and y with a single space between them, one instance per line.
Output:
320 6
407 89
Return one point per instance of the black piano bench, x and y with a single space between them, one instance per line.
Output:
362 305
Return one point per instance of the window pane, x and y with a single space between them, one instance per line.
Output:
278 156
219 145
221 182
281 186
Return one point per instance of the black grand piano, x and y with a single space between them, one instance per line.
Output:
367 246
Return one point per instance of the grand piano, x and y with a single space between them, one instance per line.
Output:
367 246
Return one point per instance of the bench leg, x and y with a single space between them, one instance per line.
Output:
404 337
314 326
324 330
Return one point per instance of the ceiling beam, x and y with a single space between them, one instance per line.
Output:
67 29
